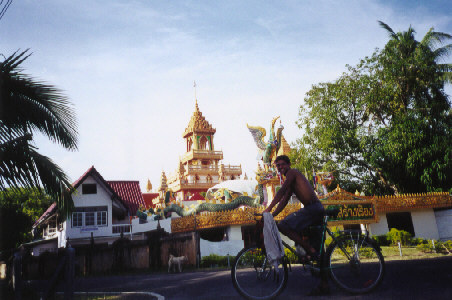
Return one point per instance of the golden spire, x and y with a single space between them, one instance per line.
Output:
198 123
149 186
246 177
163 185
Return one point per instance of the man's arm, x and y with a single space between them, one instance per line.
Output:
283 195
282 202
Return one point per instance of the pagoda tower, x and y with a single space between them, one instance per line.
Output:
159 201
200 167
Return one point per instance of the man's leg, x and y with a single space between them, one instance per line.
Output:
294 236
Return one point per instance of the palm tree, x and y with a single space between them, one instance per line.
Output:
419 132
415 66
27 106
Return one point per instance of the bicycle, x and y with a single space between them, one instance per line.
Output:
353 260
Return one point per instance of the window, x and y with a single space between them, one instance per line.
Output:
89 218
77 219
101 218
400 221
203 143
89 188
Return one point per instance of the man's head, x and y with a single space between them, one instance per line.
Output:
282 164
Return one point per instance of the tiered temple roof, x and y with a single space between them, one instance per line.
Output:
198 123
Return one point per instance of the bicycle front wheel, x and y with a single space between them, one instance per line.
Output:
355 264
255 278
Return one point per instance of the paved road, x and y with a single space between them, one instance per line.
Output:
417 279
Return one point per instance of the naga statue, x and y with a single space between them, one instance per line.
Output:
267 150
231 200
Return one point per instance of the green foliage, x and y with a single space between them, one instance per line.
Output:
384 125
29 106
438 246
293 259
401 236
214 260
19 209
382 240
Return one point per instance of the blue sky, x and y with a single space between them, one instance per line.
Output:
129 66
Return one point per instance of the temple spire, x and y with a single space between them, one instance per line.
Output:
194 86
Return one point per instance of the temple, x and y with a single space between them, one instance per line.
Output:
200 167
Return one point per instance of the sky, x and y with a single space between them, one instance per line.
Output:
128 67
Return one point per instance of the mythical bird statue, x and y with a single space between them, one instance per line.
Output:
267 150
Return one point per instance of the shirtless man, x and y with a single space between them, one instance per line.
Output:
311 213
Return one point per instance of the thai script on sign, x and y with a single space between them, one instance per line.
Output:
353 211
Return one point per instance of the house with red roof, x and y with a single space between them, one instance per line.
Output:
102 211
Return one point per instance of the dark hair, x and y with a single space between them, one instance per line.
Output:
284 158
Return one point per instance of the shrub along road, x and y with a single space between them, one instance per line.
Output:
408 279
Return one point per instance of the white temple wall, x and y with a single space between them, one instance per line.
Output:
424 224
221 248
444 223
235 233
381 227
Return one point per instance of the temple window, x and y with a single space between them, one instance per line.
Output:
189 144
400 221
203 143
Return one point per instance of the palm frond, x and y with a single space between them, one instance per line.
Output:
391 32
442 52
28 104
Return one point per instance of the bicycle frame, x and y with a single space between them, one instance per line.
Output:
336 238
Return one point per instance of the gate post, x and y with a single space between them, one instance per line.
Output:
17 276
69 273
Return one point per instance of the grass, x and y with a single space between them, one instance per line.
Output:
107 296
408 253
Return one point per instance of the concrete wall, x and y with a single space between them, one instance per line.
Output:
444 223
381 227
220 248
424 224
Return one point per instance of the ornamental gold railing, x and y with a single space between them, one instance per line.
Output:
413 201
350 212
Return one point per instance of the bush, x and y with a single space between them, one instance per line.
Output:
214 260
382 240
401 236
293 259
418 241
440 247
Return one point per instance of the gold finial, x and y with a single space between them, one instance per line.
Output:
194 86
149 186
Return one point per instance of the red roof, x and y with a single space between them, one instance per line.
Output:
148 197
197 196
52 208
130 193
127 192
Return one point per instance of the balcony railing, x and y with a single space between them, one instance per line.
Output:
212 169
121 228
199 154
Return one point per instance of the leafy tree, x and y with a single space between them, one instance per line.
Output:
26 106
385 124
18 212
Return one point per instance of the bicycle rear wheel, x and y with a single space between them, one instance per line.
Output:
253 276
355 264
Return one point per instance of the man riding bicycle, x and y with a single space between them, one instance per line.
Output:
311 213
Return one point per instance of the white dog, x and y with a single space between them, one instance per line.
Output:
176 261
